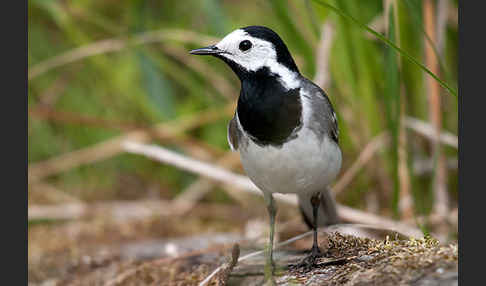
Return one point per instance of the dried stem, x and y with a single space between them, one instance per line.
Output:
227 268
405 205
113 146
196 191
70 117
51 193
427 130
117 44
364 157
441 201
406 201
118 210
322 77
443 7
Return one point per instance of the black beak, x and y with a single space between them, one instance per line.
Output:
211 50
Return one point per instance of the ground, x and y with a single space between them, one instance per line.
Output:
183 251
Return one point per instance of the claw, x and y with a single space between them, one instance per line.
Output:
309 261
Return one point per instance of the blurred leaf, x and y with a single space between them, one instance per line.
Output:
218 21
313 19
415 10
292 33
360 62
54 9
412 77
178 74
158 88
392 104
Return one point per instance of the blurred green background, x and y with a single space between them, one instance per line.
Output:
101 69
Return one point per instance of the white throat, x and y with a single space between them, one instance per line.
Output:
261 55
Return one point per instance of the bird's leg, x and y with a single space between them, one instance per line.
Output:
309 261
269 263
316 202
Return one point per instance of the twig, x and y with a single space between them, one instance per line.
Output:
250 255
227 268
441 199
369 150
51 94
117 44
119 210
197 148
191 165
427 130
113 147
97 152
69 117
442 14
141 209
426 165
322 77
51 193
405 204
351 215
189 197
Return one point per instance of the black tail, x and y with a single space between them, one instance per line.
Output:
327 210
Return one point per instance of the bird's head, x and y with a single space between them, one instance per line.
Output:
253 48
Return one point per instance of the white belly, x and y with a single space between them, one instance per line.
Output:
303 165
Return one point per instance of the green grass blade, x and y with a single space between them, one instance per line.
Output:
313 19
389 43
282 14
217 20
412 7
392 104
158 88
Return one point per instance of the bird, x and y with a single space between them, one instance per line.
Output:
284 128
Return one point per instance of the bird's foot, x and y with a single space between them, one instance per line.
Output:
310 261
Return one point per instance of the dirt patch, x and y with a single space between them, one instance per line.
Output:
380 262
184 250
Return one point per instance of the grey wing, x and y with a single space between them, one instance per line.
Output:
234 134
334 127
322 107
327 212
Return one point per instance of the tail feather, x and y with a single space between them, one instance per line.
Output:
327 210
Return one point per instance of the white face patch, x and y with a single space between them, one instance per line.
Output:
261 54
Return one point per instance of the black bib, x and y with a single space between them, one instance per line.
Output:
268 112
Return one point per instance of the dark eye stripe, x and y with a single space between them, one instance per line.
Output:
245 45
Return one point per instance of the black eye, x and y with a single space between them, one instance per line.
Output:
245 45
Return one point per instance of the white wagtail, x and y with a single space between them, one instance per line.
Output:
284 127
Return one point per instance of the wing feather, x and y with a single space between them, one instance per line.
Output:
234 134
321 107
